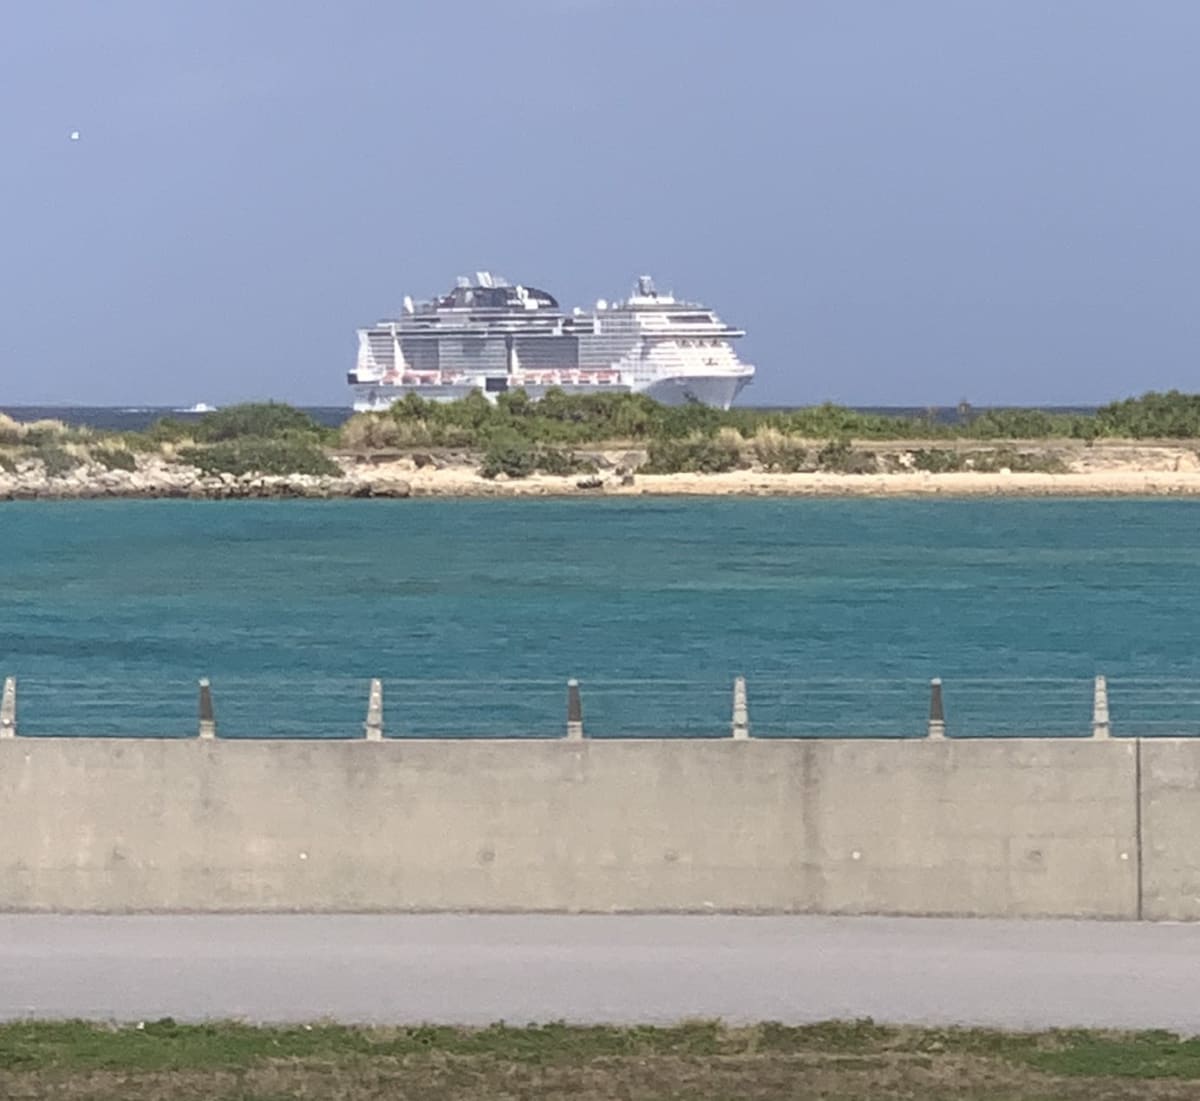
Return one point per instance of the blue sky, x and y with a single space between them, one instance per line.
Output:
902 202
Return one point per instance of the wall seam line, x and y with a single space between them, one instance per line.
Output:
1137 809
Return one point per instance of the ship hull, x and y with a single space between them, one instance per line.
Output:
718 391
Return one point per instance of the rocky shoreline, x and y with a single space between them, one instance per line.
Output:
155 477
1132 471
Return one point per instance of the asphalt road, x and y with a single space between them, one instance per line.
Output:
476 969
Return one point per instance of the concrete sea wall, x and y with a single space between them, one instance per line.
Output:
1096 827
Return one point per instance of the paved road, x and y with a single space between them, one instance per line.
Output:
477 969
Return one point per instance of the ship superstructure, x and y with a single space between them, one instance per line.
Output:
487 334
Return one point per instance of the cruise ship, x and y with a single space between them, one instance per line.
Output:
489 335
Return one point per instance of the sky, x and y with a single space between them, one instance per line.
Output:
907 203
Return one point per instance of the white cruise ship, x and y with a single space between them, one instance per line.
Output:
489 335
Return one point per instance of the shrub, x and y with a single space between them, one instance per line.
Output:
371 432
512 457
1171 415
1018 424
563 463
267 457
115 459
1019 462
778 452
141 443
11 432
254 420
694 456
7 463
57 461
168 430
937 460
839 457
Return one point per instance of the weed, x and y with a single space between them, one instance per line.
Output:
115 459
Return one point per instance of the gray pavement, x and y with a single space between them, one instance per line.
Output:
476 969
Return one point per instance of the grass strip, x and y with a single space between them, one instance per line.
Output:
837 1061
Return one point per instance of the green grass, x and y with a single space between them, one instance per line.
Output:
700 1060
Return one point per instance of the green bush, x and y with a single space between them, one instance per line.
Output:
839 457
937 460
167 430
512 457
7 463
563 421
115 459
1019 462
779 453
264 457
1152 416
702 456
142 443
57 461
267 420
563 463
1019 424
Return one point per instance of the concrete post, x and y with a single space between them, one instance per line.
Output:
8 709
574 712
374 723
1100 724
937 714
741 715
208 724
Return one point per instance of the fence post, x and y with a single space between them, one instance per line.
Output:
937 713
574 712
208 724
741 714
1100 723
8 709
374 723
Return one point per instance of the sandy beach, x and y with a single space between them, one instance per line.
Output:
458 482
1098 471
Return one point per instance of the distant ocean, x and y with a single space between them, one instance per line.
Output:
136 418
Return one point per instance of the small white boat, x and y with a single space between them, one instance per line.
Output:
199 407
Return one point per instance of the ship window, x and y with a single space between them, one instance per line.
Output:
495 385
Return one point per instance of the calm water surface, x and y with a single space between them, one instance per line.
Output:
476 612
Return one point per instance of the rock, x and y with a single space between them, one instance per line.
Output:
592 481
384 488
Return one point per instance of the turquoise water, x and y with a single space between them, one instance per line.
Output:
475 613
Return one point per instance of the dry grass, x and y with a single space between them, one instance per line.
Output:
834 1062
777 451
730 437
752 1078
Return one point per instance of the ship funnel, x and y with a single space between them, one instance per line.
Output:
408 303
645 287
483 278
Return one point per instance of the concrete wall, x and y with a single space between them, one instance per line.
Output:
1170 828
995 827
